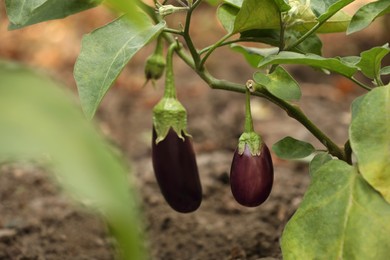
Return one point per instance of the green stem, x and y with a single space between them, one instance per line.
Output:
360 84
187 38
159 46
378 80
248 114
170 90
170 30
306 35
216 45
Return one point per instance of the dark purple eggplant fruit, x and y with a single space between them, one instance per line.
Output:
176 171
251 176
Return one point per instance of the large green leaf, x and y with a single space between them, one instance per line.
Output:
279 83
370 62
370 138
367 14
332 64
256 14
38 121
291 148
105 52
22 13
340 217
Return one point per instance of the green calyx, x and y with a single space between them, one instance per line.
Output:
249 137
254 142
169 113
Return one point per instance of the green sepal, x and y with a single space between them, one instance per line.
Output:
169 113
254 142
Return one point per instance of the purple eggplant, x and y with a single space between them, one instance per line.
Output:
251 176
176 171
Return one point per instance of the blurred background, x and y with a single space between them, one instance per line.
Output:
220 229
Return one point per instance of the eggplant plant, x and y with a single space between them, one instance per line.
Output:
345 212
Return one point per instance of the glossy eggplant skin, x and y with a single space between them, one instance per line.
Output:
251 176
176 172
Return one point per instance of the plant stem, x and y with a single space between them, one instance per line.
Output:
170 89
187 38
170 30
216 45
306 35
248 114
360 84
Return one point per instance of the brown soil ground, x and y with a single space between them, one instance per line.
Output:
37 221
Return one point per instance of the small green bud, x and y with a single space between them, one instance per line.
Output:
165 10
155 66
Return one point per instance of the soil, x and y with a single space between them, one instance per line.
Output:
38 221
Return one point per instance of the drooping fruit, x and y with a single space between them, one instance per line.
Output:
176 171
251 176
252 172
173 155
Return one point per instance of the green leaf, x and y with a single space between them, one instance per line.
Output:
38 121
318 160
369 135
253 55
256 14
385 70
340 217
367 14
226 15
279 83
22 13
312 44
290 148
105 52
326 9
332 64
370 62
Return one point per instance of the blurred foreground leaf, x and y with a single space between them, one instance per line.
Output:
38 121
340 217
370 138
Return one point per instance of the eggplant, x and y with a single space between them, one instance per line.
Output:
176 171
251 176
